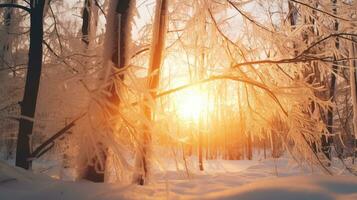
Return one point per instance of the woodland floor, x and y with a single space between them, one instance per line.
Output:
266 179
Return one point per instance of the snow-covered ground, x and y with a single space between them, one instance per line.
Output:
268 179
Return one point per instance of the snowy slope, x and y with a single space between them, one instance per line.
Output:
252 180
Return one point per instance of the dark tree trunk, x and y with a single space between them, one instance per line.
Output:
119 53
264 146
28 104
200 152
276 145
249 147
86 16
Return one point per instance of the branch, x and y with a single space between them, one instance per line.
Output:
234 78
248 18
301 57
282 61
10 5
319 10
55 54
220 31
8 106
55 27
100 8
48 144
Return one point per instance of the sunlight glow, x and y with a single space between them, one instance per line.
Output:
191 104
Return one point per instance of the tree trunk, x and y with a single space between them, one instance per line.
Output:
88 15
28 104
200 153
353 85
327 140
6 36
89 23
249 146
117 36
157 48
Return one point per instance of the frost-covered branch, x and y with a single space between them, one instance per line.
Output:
319 10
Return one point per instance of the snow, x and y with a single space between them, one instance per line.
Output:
222 179
298 187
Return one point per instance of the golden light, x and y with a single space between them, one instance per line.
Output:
190 104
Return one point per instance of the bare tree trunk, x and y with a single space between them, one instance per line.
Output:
157 49
200 141
276 144
327 140
249 146
353 83
264 146
28 104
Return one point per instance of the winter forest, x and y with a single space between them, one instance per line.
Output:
178 99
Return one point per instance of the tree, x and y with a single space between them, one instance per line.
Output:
353 83
89 26
115 52
327 140
28 104
7 35
89 21
157 49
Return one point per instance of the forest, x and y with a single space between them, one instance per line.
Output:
178 99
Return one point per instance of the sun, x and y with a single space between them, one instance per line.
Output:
190 104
